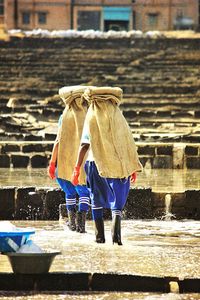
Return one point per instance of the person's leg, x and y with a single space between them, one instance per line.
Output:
97 216
98 199
116 227
84 197
120 188
83 206
70 196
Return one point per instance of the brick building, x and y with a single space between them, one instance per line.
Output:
100 14
30 14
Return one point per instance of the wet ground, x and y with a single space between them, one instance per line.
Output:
161 180
158 248
95 296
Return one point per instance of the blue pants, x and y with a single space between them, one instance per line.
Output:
72 193
105 192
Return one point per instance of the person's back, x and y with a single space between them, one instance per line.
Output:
65 152
114 157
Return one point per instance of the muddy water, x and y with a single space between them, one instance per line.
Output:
163 180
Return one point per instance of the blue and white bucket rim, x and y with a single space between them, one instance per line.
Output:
17 232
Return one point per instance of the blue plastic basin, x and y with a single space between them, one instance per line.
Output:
13 240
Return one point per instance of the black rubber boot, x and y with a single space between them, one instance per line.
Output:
116 230
80 221
99 231
71 220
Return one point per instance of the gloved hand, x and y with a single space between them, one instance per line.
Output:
51 170
133 177
75 175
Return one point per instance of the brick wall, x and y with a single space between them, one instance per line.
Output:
57 12
166 12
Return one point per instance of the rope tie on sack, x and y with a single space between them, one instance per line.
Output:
103 95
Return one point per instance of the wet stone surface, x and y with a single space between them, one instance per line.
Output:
150 248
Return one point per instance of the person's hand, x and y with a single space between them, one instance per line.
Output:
51 170
75 175
133 177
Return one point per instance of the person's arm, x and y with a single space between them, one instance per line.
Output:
81 155
53 161
54 153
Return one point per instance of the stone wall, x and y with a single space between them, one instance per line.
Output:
31 203
152 155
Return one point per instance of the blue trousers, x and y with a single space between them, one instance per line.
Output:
105 192
72 193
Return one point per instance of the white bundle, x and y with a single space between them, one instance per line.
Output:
6 226
30 247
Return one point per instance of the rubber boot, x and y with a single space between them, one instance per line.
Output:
116 230
71 220
99 231
80 221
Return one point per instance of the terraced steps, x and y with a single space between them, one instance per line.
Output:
160 79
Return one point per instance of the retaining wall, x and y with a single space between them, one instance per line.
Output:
31 203
155 155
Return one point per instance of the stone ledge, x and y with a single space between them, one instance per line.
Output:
49 281
31 203
123 282
80 281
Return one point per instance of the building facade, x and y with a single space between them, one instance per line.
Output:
101 15
31 14
2 13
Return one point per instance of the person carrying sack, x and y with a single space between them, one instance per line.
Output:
64 154
112 160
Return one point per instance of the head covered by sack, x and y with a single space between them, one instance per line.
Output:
70 131
111 139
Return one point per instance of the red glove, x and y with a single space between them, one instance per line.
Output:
133 177
75 175
51 170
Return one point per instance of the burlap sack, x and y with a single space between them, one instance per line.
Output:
70 131
112 143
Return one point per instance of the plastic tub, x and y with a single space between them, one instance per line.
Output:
13 240
31 263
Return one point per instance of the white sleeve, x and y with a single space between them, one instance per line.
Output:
85 139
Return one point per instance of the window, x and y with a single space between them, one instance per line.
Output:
153 20
26 17
179 13
89 20
42 18
1 7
